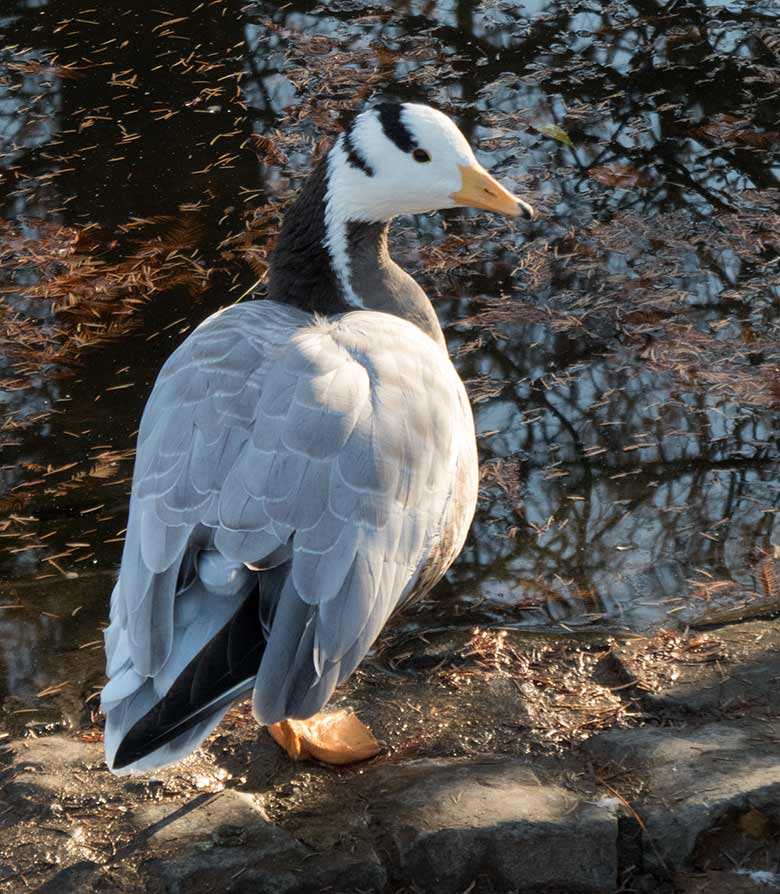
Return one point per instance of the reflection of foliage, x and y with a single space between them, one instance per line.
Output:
94 292
626 387
666 267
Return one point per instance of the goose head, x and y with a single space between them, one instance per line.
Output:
410 159
332 256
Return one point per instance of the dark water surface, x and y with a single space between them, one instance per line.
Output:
622 352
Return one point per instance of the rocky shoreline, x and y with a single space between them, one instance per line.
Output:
515 763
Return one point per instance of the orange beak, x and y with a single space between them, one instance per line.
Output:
479 190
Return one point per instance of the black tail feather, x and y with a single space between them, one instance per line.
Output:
223 670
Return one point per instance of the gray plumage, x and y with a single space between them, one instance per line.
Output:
270 429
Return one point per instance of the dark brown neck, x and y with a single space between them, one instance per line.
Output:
302 271
304 275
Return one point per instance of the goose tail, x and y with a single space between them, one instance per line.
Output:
152 722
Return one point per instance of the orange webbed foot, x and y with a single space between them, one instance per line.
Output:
337 738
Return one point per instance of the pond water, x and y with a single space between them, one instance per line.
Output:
622 351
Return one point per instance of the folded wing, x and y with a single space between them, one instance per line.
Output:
332 446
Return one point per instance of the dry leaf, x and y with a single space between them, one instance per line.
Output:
621 176
556 133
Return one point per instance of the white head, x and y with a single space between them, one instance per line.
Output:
409 159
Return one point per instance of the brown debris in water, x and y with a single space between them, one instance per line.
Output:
728 602
89 297
663 259
507 474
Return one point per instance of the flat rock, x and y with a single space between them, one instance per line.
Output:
50 768
241 870
164 823
713 673
695 780
88 876
226 842
495 824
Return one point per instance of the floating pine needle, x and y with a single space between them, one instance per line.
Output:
52 690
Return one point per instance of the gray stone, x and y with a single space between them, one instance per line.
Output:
225 842
242 870
694 779
164 823
54 767
88 876
78 877
494 823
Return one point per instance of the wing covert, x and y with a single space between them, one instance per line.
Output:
339 438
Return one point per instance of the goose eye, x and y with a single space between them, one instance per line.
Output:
420 155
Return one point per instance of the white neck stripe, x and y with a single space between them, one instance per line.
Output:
336 225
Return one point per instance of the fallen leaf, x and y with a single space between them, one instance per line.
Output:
556 133
620 176
755 824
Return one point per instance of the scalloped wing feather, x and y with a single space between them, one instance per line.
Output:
340 437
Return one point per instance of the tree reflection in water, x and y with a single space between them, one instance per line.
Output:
622 352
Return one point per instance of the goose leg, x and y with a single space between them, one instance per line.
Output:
337 738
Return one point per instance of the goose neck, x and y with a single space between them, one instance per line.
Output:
328 261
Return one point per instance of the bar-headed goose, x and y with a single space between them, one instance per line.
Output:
305 465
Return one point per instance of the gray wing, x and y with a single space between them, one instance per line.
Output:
337 440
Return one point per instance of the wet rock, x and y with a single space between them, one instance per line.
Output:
495 824
696 780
